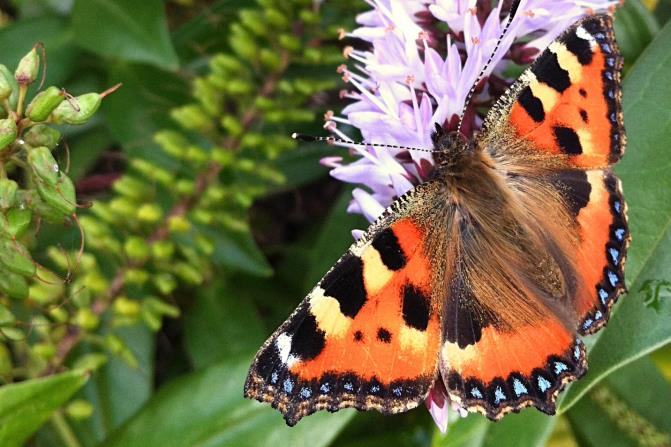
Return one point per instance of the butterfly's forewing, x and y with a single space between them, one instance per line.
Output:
367 336
569 101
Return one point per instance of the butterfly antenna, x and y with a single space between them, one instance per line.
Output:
332 140
471 92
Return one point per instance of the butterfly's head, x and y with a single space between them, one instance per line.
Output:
451 149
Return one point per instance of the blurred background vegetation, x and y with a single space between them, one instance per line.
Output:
208 225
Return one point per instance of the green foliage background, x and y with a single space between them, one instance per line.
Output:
209 225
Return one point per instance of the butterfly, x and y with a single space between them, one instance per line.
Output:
486 275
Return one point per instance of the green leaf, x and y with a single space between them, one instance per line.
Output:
138 109
634 329
116 390
25 406
222 322
130 30
630 407
529 428
206 409
334 239
238 252
635 27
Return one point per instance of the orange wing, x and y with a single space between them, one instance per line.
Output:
569 101
367 336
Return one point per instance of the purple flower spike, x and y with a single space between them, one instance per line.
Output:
414 74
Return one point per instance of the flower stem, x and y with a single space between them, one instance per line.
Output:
64 430
23 90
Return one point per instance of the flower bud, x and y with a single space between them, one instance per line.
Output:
126 307
7 79
188 273
44 164
149 213
165 283
136 249
16 258
178 224
44 350
29 66
8 190
86 319
49 290
7 318
58 314
42 135
60 197
8 132
19 221
78 110
79 410
136 276
13 285
44 103
5 88
160 307
162 250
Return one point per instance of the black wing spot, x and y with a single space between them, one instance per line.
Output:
583 115
307 340
384 335
345 284
386 243
568 140
580 47
548 71
532 105
416 307
583 92
358 336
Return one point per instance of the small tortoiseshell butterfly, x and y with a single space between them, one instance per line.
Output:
486 274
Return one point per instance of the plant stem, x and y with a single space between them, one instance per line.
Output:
64 430
23 90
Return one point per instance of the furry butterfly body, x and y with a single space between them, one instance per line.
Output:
484 276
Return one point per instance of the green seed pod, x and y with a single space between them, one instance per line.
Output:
13 285
7 318
49 289
78 111
7 78
47 212
44 165
60 197
8 132
160 307
149 213
29 66
42 135
16 258
163 250
19 221
44 103
59 314
8 190
5 88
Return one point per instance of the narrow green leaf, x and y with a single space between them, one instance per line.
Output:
131 30
206 409
634 329
25 406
